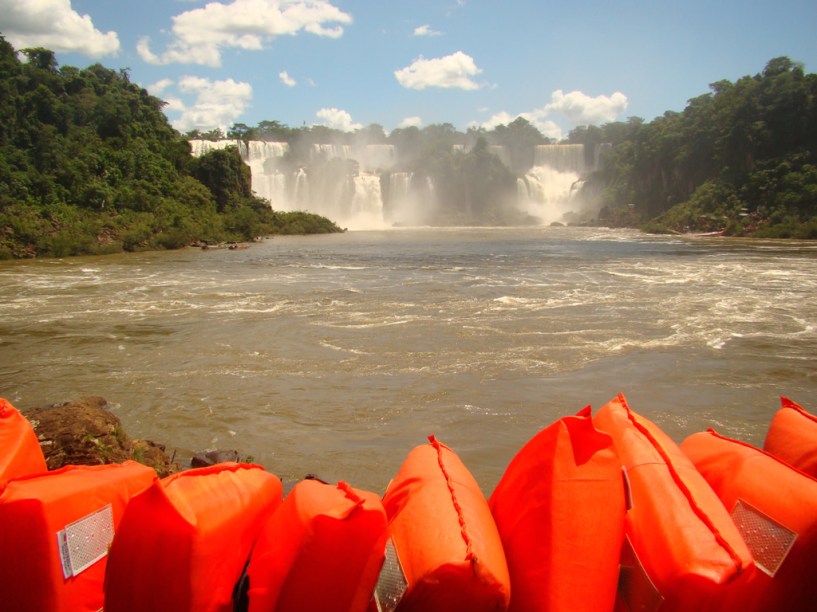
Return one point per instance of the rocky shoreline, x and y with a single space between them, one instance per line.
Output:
85 432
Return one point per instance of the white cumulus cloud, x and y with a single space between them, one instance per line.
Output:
338 119
55 25
411 122
582 109
159 86
287 80
202 103
425 30
201 34
453 71
576 107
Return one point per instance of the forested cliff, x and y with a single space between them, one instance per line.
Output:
90 164
741 159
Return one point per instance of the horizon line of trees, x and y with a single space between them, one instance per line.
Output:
519 137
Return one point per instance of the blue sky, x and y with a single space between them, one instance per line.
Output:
351 63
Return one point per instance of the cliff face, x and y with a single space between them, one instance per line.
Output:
85 432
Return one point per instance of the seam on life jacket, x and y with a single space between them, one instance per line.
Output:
350 494
469 554
755 449
702 516
785 402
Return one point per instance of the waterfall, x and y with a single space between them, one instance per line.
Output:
272 187
300 191
260 156
367 203
261 150
351 195
551 189
546 193
202 147
349 200
399 183
399 204
411 200
522 193
562 157
331 151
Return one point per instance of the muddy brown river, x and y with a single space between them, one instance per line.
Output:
338 354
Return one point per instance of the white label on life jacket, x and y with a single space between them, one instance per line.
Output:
85 541
391 583
768 541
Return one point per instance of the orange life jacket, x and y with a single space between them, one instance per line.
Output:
444 536
792 437
681 546
183 543
55 530
775 508
559 508
321 550
20 452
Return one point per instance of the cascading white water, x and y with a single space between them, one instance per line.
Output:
562 157
300 191
399 188
331 151
551 189
399 184
272 187
349 200
367 202
260 156
266 179
202 147
411 201
261 150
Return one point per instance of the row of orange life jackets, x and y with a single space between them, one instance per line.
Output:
595 512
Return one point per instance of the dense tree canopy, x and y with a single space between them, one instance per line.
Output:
89 164
741 159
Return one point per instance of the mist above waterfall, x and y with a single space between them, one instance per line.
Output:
363 185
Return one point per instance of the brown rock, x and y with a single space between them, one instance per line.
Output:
84 432
208 458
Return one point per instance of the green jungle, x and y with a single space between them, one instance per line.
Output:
89 164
